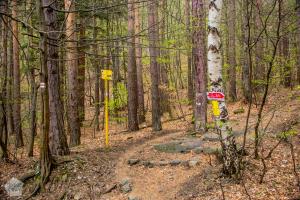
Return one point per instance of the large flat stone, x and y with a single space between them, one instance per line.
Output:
211 137
191 144
133 161
182 146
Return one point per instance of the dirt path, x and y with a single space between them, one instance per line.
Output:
154 182
160 175
96 173
202 181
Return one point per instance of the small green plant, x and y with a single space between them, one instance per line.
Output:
286 134
210 125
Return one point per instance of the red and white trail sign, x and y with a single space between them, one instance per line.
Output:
217 96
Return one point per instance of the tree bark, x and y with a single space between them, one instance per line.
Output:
230 157
102 64
164 52
132 72
287 72
298 40
97 75
246 65
57 137
45 155
10 67
139 66
33 93
72 72
232 50
116 73
200 67
154 68
3 95
259 74
16 81
189 54
81 69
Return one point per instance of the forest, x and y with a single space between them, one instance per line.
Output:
150 99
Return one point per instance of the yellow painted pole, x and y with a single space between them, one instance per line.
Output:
106 113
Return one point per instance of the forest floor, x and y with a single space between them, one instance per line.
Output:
174 163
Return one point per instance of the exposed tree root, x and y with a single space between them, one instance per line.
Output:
43 178
30 174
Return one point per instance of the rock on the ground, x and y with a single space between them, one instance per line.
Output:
133 198
163 163
149 164
191 144
133 161
198 150
125 185
14 187
193 162
238 133
183 145
175 162
211 137
170 147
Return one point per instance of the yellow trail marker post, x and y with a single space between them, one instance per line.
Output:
106 75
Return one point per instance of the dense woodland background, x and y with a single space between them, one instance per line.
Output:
52 54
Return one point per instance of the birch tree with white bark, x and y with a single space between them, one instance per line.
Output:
229 151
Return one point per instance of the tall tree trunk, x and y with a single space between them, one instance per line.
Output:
298 40
102 64
229 152
154 68
139 66
10 67
3 95
62 77
200 67
259 74
116 67
189 55
45 155
57 137
97 74
116 76
246 77
16 81
132 72
164 52
232 50
81 69
72 72
33 93
287 71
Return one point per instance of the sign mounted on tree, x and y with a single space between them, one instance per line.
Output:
217 96
106 74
